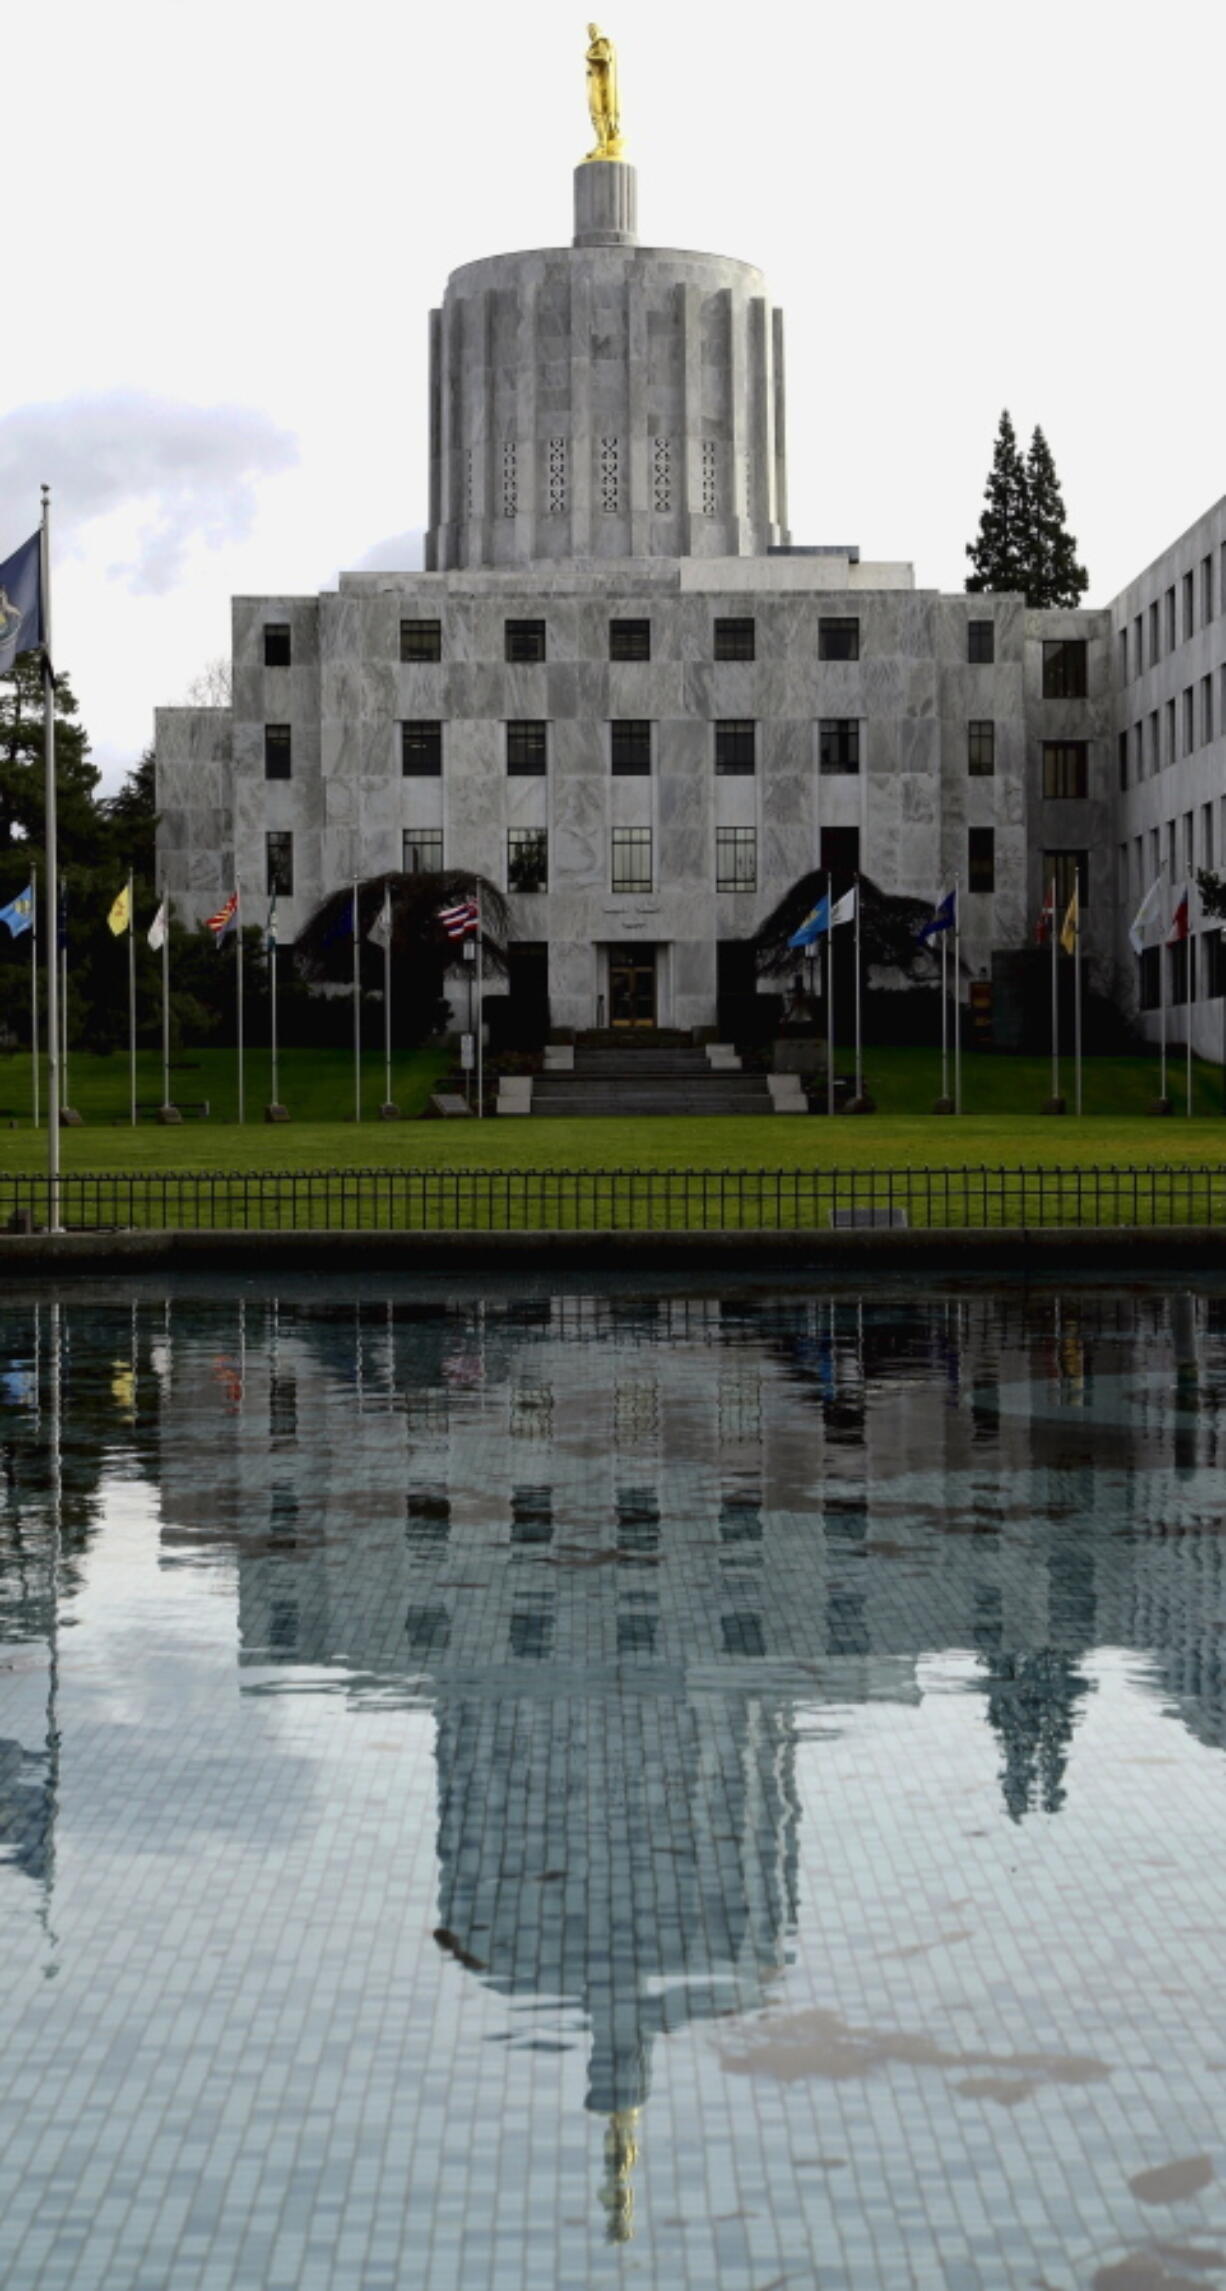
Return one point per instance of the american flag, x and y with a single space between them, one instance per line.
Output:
463 921
225 919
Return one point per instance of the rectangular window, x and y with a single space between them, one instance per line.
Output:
421 751
1066 869
1122 759
735 747
631 859
278 752
277 653
629 640
630 747
981 859
421 851
1206 709
1064 668
838 639
1138 734
1151 978
734 640
1154 645
1122 643
1170 619
981 643
1189 842
1189 608
1170 849
1206 591
1183 972
1206 835
1155 759
525 749
1189 721
980 749
525 640
1213 964
421 640
1172 737
736 858
1065 768
1138 662
279 862
527 859
838 744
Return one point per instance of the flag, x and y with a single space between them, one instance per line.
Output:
1043 928
157 930
844 909
1179 920
342 924
1071 924
943 918
120 916
21 602
19 913
380 931
225 920
815 924
1148 917
270 927
463 921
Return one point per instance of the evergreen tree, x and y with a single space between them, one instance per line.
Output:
22 784
1053 575
1000 551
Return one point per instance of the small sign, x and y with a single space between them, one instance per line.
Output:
467 1060
470 950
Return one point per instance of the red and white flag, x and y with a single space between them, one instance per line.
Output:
463 921
226 918
1179 920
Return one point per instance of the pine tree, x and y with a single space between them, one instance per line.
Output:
1000 553
1053 575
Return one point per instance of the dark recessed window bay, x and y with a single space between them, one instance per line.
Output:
576 1781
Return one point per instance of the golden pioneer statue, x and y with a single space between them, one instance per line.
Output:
602 95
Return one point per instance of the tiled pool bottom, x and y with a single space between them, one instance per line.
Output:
720 1791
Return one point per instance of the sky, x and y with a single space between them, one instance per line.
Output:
226 225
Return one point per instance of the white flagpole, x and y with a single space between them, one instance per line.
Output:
165 1000
1187 997
64 1016
1077 1006
829 996
132 997
53 881
1162 999
945 1017
859 1042
34 984
480 1068
1055 998
957 996
272 1003
387 998
238 984
357 1015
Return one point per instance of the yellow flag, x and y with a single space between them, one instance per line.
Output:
1069 927
120 917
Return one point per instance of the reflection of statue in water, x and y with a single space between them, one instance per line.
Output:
602 95
621 2150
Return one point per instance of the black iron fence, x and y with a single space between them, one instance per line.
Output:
631 1200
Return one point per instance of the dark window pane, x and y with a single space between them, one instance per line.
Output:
981 858
839 744
1065 768
981 749
838 640
527 859
525 748
1064 668
422 851
279 862
629 640
735 746
1067 869
734 640
421 640
630 746
525 640
981 642
278 752
277 652
421 751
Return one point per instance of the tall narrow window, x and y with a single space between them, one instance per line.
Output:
1206 709
279 862
734 640
1189 721
1172 736
981 749
1189 607
1122 646
981 642
421 750
736 858
527 859
526 753
278 752
422 851
1206 591
1155 642
630 747
1065 768
629 640
735 747
838 639
1122 760
277 652
421 640
631 859
1170 620
838 744
1068 870
981 858
1064 668
525 640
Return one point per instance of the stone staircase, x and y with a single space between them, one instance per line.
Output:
633 1078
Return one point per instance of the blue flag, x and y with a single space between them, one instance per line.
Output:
21 602
942 918
19 913
341 926
815 924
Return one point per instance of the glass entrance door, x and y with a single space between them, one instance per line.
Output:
632 986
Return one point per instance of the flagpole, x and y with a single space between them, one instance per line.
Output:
1077 1006
829 995
1162 1005
957 996
1055 1000
64 1017
357 1015
165 1001
51 856
859 1042
387 1000
272 1001
131 999
238 989
944 1019
34 982
480 1069
1187 991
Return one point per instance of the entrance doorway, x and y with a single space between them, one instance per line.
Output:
632 986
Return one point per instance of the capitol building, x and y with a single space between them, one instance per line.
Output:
625 692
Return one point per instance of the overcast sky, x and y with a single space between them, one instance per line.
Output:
225 225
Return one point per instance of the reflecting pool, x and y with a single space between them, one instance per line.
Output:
720 1789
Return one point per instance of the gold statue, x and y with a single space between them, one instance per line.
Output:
602 95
